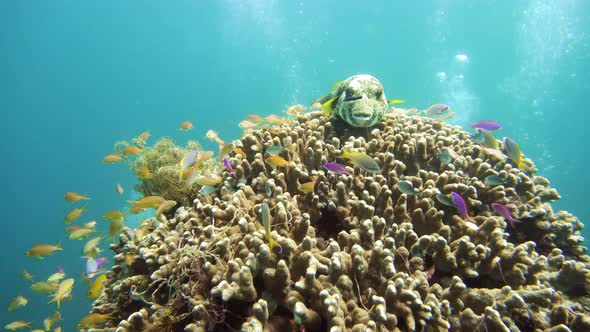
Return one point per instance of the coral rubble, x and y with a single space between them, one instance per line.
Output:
356 254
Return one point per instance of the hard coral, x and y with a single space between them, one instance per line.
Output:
357 253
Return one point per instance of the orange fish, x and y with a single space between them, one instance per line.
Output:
114 215
143 172
145 135
165 207
237 150
246 124
275 161
42 250
112 158
75 197
148 202
307 187
131 150
209 181
186 125
74 215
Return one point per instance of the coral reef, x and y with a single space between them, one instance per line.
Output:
356 253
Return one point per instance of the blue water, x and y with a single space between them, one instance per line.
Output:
76 76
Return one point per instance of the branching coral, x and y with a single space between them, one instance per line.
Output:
357 253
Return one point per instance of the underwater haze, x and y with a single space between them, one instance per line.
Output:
78 76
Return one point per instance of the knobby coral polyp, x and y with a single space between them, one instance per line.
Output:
358 253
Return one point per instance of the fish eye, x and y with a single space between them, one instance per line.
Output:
378 94
349 92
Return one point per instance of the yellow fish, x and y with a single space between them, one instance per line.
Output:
17 302
111 159
57 276
17 325
63 292
361 160
91 247
96 287
42 250
265 214
44 287
165 207
131 150
148 202
307 187
93 319
209 181
49 321
275 161
75 197
74 215
115 227
225 150
78 234
143 173
255 118
114 215
26 275
186 125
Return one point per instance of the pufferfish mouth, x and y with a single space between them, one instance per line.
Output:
362 115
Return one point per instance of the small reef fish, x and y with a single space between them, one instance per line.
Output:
115 227
513 151
81 233
437 109
275 150
96 287
44 287
214 137
63 292
407 188
265 214
268 189
505 212
247 124
91 247
486 124
92 320
494 180
74 215
276 161
485 138
75 197
91 267
238 150
43 250
336 168
165 206
187 161
207 190
50 321
224 150
26 275
275 119
446 155
185 126
119 189
131 150
307 187
148 202
144 136
209 180
228 167
295 110
460 205
316 106
57 276
17 302
114 215
136 210
143 173
112 159
189 176
255 118
361 160
17 325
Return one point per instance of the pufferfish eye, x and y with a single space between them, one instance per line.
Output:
378 94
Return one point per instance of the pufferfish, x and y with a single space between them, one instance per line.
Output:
358 100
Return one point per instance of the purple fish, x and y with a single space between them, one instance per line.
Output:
336 168
228 167
505 212
460 205
485 124
100 261
60 269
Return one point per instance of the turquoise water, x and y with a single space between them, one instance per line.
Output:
75 77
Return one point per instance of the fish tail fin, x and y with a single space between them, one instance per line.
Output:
58 246
395 101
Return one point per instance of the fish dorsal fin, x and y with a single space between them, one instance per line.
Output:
336 85
327 106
